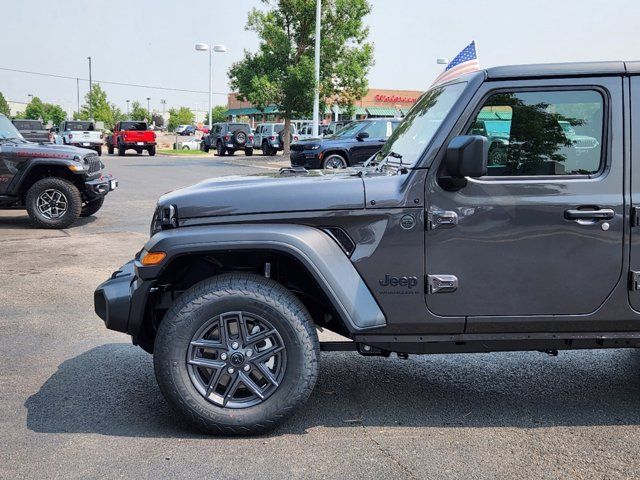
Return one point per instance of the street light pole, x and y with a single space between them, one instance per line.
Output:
316 96
203 47
78 93
128 108
90 92
148 110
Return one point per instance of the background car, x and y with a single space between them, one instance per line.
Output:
269 137
191 144
33 130
180 128
352 145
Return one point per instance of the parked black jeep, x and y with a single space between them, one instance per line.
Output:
226 138
56 184
428 248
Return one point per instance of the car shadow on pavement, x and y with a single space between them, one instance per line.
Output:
24 222
111 390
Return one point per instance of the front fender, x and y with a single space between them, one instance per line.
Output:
318 252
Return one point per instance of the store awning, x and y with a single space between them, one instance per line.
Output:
236 112
360 111
382 111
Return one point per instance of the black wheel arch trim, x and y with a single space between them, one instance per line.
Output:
315 249
19 179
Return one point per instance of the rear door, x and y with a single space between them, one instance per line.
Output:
538 242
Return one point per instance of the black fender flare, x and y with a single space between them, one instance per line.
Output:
317 251
18 180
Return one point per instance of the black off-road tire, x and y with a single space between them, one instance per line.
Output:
121 150
234 292
265 148
110 149
248 152
99 150
91 208
220 150
151 151
70 191
205 148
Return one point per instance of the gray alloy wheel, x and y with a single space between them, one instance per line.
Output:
52 204
236 360
335 161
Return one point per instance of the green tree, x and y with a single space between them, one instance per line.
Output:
103 111
4 106
35 110
54 114
281 72
138 112
219 114
181 116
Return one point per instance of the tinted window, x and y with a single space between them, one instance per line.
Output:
75 126
542 133
133 126
28 125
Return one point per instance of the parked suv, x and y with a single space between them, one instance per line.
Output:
428 248
56 184
269 137
226 138
352 145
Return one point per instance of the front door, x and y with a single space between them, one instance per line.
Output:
379 131
542 233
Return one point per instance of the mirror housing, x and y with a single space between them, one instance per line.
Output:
467 156
362 135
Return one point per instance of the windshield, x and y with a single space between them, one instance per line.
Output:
75 126
414 133
8 130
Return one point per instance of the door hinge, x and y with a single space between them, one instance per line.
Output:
634 281
441 283
635 216
441 219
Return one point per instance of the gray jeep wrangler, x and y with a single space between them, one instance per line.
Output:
428 248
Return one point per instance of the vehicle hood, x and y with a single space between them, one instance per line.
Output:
49 150
272 193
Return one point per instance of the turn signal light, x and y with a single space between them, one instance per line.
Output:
153 258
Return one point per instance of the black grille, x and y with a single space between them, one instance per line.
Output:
297 147
94 163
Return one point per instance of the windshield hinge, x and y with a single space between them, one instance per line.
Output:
635 216
634 281
441 284
441 219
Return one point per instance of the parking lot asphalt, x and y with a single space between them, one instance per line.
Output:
79 401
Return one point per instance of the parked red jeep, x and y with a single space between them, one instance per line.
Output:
131 135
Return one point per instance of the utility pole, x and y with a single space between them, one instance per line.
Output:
148 110
128 108
78 93
90 92
316 97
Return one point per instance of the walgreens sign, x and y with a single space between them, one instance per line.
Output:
394 99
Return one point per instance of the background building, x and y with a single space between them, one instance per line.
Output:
376 103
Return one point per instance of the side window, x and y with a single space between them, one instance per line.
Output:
542 132
377 129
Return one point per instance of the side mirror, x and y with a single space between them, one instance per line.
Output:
362 135
467 156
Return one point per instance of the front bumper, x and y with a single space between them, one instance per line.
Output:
99 187
306 158
121 300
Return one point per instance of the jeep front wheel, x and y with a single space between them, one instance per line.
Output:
53 203
236 354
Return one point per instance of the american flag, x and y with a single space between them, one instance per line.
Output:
465 62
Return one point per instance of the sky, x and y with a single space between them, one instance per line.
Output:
151 42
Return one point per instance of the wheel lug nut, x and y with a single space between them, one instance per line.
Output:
230 370
223 356
249 353
235 345
246 368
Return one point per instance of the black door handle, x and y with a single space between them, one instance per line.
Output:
600 214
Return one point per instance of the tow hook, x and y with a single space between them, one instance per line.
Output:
369 351
551 353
